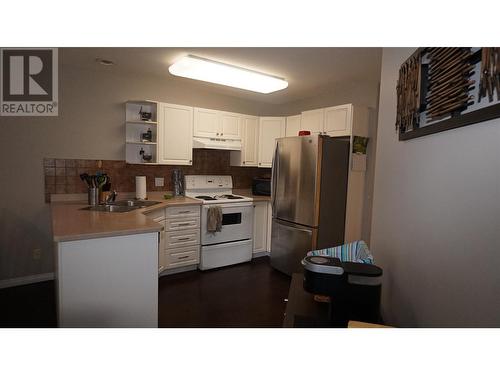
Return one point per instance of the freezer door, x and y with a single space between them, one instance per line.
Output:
294 180
289 245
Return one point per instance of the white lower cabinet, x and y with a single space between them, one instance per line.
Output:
159 217
262 227
179 241
182 256
182 236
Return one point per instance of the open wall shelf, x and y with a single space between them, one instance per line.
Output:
135 128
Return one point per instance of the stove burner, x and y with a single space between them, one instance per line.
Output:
206 198
230 196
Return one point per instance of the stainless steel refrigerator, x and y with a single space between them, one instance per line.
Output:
308 196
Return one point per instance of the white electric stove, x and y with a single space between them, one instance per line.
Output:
233 244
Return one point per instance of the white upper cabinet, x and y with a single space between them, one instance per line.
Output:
206 123
230 125
175 134
338 120
313 121
293 126
333 121
270 128
248 156
209 123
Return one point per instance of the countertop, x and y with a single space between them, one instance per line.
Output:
70 223
248 193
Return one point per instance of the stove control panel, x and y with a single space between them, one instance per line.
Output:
208 182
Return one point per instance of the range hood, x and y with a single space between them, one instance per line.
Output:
217 143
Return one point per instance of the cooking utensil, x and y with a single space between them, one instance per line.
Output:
101 180
85 177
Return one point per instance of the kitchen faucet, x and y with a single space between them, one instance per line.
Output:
111 197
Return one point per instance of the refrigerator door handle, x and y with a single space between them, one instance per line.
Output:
274 179
302 230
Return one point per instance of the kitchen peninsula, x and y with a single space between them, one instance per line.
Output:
107 265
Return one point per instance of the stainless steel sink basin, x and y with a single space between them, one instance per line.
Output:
121 206
134 203
110 208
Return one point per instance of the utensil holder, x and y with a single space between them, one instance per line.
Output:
93 193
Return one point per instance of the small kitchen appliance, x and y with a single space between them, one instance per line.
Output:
233 243
261 186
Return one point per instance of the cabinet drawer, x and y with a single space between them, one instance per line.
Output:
183 257
182 238
156 215
174 212
181 223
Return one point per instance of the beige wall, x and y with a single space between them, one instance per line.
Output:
90 126
360 93
435 225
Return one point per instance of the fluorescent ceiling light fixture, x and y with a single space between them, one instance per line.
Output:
223 74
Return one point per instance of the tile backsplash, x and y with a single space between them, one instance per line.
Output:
62 175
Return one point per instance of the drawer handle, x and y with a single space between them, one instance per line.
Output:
184 257
184 212
184 239
183 224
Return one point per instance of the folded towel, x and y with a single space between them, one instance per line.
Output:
214 219
356 251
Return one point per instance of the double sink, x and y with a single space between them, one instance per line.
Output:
121 206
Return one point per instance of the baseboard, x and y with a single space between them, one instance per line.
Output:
260 254
7 283
173 271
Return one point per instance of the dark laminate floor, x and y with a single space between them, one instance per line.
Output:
28 306
244 295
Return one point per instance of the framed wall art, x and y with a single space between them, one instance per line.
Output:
440 89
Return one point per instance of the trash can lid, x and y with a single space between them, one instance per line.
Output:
323 264
362 269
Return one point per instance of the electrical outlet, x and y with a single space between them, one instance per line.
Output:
159 181
37 254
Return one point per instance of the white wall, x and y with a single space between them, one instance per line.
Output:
436 218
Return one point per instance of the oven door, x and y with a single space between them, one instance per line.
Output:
237 223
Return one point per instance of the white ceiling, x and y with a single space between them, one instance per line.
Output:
309 71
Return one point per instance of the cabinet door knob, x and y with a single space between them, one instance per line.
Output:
243 162
221 133
217 133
